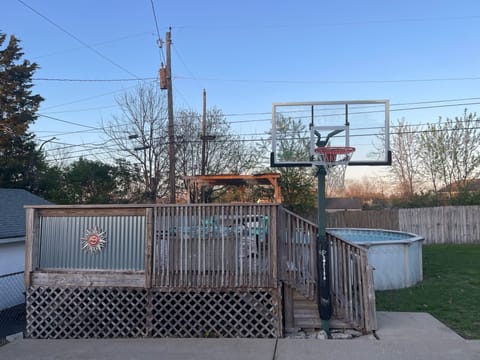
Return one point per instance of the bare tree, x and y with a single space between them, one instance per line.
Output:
405 165
225 152
433 153
450 152
140 133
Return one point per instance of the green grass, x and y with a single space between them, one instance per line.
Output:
450 290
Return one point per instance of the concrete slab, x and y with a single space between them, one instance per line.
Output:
373 350
416 336
402 335
128 349
411 326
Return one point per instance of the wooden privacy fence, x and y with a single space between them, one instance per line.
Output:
438 225
352 289
156 271
443 225
373 219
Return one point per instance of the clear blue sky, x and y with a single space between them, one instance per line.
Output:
248 54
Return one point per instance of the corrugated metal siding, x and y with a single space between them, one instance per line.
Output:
61 245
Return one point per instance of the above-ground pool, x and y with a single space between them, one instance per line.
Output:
396 256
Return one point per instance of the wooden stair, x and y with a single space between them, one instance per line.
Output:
305 314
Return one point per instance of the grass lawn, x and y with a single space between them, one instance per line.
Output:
450 290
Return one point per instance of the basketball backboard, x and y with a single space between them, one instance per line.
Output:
298 127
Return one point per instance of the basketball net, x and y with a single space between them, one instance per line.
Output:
335 161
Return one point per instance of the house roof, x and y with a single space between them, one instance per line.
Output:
343 204
12 211
471 185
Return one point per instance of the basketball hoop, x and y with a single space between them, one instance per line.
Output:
335 160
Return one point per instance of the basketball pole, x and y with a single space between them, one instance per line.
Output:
323 255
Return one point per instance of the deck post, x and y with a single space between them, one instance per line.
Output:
29 239
149 239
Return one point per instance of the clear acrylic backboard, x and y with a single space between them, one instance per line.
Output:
298 128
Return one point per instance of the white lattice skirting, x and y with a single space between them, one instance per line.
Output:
105 312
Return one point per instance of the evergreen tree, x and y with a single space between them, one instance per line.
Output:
19 160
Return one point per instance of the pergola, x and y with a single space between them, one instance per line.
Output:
242 181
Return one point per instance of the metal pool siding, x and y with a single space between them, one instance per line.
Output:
396 256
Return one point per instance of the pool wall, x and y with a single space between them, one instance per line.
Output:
396 256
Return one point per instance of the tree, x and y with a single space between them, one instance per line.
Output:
450 151
140 132
297 184
224 152
90 182
20 162
405 165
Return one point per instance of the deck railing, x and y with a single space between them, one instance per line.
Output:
296 238
351 282
175 246
58 252
215 246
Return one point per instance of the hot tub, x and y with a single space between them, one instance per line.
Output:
396 256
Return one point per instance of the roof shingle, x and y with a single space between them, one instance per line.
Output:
12 211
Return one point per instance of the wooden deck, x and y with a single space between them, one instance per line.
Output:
182 271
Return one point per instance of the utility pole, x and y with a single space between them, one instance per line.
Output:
171 129
204 131
204 142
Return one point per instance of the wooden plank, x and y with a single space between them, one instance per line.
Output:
88 278
29 239
288 307
272 238
149 237
370 313
61 211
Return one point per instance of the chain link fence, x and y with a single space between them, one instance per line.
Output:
12 304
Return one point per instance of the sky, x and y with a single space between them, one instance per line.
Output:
420 55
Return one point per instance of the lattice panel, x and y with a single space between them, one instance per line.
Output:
59 313
247 314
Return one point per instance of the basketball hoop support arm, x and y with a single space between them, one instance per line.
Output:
323 255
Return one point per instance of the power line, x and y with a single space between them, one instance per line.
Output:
90 98
269 119
340 23
93 80
159 38
68 122
385 81
193 77
77 39
60 52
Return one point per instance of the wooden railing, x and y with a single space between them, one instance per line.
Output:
215 246
351 283
57 251
175 246
296 238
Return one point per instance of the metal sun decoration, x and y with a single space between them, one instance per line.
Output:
94 240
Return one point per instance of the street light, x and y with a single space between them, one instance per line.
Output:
46 141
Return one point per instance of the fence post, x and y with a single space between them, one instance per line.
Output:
30 238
